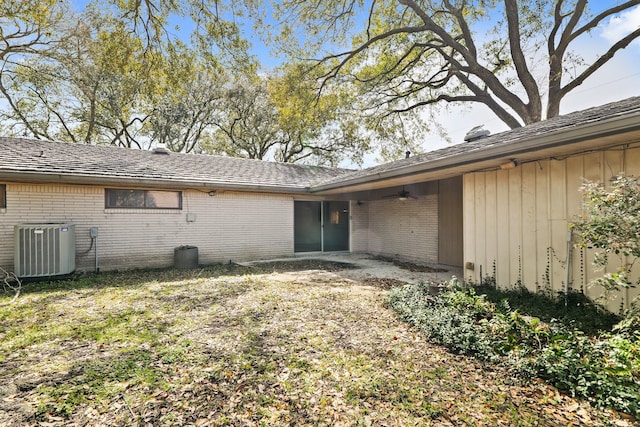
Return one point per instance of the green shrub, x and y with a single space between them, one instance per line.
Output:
575 309
450 320
604 369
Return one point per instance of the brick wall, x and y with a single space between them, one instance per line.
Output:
359 226
227 226
407 229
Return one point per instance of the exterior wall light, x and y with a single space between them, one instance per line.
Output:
509 165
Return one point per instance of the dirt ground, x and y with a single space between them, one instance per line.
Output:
306 343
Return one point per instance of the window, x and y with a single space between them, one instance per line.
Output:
3 196
142 199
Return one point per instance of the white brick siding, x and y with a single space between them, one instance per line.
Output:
406 229
359 226
228 226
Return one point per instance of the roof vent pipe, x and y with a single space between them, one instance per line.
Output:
407 154
476 133
161 148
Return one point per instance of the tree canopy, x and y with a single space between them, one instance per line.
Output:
358 75
515 57
117 74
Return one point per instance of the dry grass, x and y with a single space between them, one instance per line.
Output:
241 346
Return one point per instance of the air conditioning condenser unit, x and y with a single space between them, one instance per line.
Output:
43 250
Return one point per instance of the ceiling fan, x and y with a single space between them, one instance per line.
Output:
401 195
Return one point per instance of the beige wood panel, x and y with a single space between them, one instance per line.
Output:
614 165
533 204
450 222
481 234
575 172
503 259
593 170
632 167
469 226
558 210
543 229
515 225
593 166
529 236
632 161
491 222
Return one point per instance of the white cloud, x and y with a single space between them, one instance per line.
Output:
621 25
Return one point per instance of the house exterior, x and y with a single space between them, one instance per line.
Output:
499 205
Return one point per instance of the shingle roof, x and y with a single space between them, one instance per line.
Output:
65 161
47 158
560 124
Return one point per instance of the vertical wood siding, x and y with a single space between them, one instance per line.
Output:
450 236
517 220
227 226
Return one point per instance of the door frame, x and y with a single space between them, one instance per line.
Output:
322 226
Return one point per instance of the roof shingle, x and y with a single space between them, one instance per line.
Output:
114 163
510 137
64 161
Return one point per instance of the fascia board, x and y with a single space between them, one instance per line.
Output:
78 179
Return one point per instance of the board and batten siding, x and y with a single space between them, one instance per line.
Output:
406 229
228 226
516 221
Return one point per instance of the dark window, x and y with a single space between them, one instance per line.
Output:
3 196
142 199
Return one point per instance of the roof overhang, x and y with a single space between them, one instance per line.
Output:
581 138
142 182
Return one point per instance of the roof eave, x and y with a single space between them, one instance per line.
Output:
559 137
63 178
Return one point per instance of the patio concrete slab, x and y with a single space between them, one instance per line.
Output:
370 266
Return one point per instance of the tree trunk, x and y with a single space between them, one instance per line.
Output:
555 92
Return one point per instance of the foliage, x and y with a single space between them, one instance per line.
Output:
400 56
188 103
574 309
607 370
610 224
118 76
124 73
116 73
278 117
604 369
451 320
